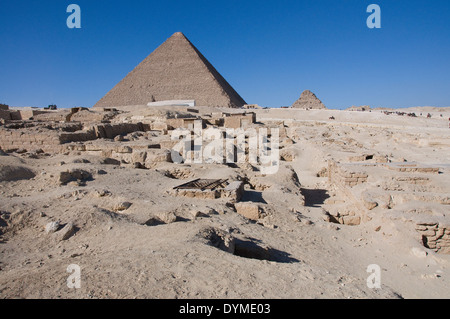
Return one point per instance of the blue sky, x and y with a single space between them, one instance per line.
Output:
269 51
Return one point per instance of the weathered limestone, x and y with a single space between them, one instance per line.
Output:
238 120
72 175
122 206
5 115
249 210
413 167
218 238
67 231
338 173
52 227
232 192
434 236
344 216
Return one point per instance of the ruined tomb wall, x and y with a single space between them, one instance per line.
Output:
88 117
237 121
412 168
344 180
17 139
28 114
127 154
175 123
15 115
103 131
77 137
339 174
113 130
435 236
53 141
5 115
53 116
232 122
159 126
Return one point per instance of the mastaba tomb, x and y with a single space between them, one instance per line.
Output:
176 70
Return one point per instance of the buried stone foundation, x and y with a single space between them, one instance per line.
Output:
242 247
211 189
249 210
344 216
346 174
434 236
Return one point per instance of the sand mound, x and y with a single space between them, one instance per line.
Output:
11 170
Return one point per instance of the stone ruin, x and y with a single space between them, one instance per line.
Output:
94 132
362 186
373 185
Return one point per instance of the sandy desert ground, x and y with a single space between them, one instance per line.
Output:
132 237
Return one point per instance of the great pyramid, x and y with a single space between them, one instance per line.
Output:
176 70
308 100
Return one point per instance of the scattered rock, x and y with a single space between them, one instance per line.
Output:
74 175
218 238
52 227
248 210
80 161
167 217
420 253
322 173
195 213
122 206
102 193
110 161
68 230
287 155
138 165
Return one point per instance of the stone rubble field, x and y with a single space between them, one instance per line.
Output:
98 189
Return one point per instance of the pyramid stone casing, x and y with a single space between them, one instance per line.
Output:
176 70
308 100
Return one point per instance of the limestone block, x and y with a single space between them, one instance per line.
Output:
248 210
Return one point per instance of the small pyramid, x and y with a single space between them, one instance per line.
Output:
308 100
176 70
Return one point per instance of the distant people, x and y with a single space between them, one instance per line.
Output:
429 116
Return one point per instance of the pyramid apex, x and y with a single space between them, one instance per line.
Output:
177 34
